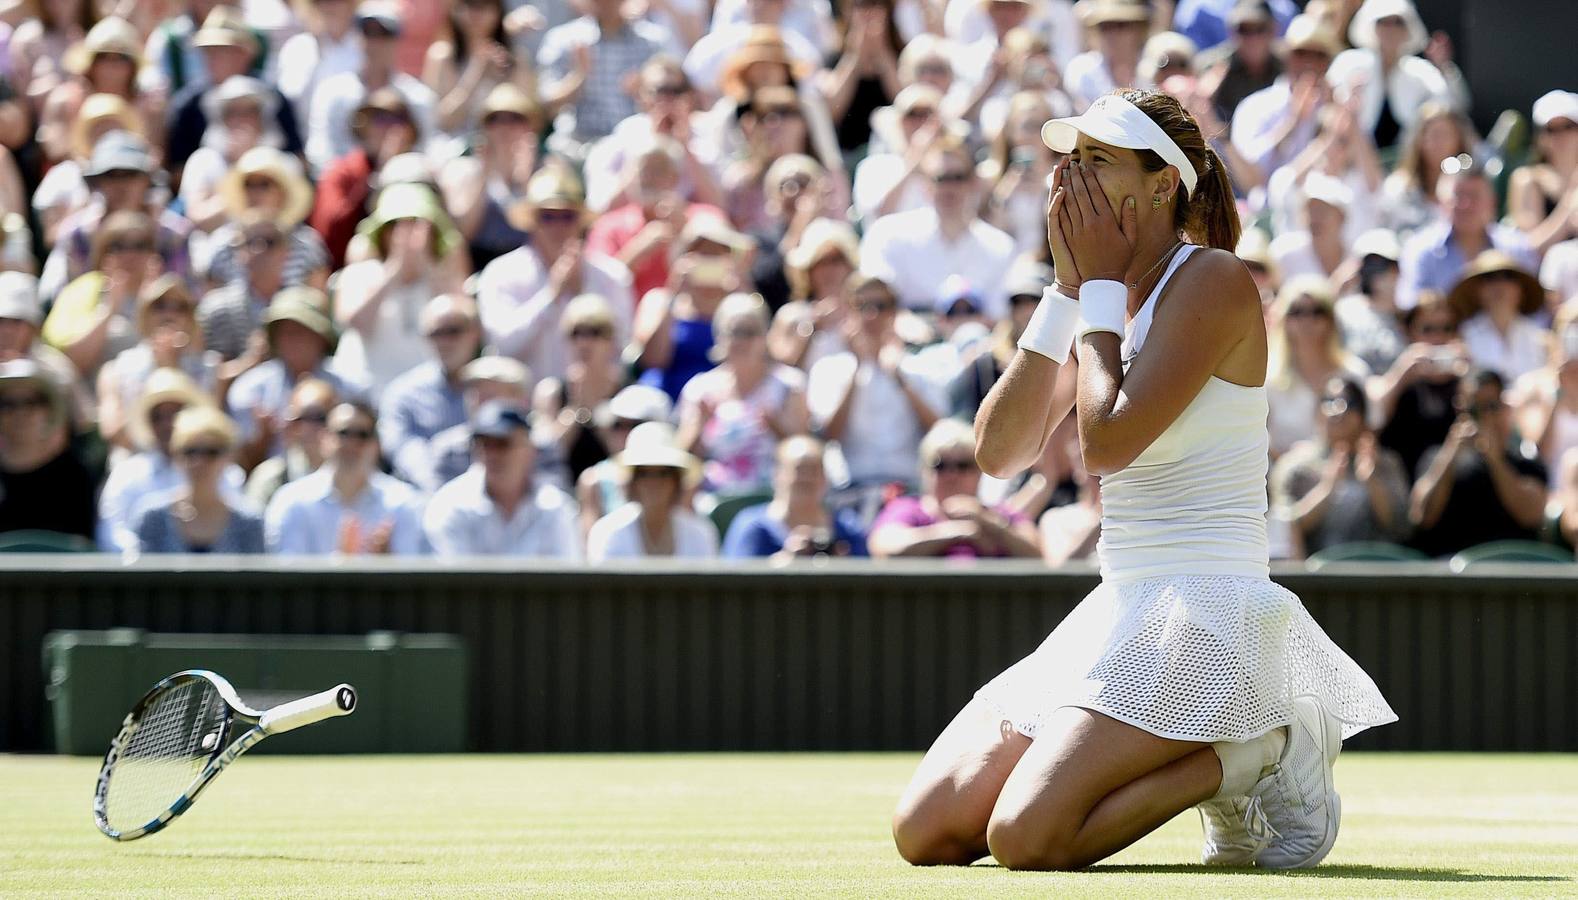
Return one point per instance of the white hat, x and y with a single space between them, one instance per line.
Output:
654 445
19 298
1555 105
500 369
637 403
1328 190
1361 31
1114 120
1380 242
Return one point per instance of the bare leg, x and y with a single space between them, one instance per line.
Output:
941 819
1090 786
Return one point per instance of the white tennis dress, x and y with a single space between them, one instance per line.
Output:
1187 637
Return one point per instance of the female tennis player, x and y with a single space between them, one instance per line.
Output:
1187 678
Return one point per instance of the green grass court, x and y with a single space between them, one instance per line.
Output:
733 826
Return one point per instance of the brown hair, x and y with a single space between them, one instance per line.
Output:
1210 217
1411 164
117 225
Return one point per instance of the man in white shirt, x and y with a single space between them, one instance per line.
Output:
310 58
1119 27
336 99
495 509
523 293
347 506
1273 125
1559 271
916 251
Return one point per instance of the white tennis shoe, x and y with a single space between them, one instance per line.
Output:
1235 831
1297 804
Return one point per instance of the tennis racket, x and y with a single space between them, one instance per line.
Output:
179 737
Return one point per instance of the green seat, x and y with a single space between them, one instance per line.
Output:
1511 552
730 505
36 541
1363 551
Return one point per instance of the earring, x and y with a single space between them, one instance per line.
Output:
1156 202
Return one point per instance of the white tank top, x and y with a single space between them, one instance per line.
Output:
1194 502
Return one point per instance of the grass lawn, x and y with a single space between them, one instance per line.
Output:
733 826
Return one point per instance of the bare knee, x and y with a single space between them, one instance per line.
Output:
1029 845
923 840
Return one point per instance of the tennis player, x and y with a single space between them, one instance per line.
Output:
1187 678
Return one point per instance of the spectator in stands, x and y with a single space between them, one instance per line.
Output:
948 518
170 339
63 189
1017 168
1496 302
734 415
1033 70
915 251
587 62
21 317
143 477
668 105
658 520
95 317
1435 257
1254 249
329 45
866 74
174 59
267 183
673 336
706 61
601 489
120 174
1370 322
1341 486
301 433
989 359
1120 28
1317 247
1274 125
1542 196
1341 153
1305 352
873 399
241 118
1475 488
1545 401
464 67
347 506
44 482
810 326
796 522
39 44
1384 74
567 407
1215 23
496 508
1069 530
232 315
301 337
523 294
798 193
484 380
335 103
427 398
890 181
106 63
1413 402
383 128
1408 196
481 189
776 122
1243 64
202 516
230 49
378 302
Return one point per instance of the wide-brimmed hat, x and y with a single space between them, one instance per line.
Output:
274 164
553 187
635 403
26 370
818 238
1099 12
119 151
95 109
763 43
1361 31
1464 296
1306 32
162 386
225 27
241 87
307 307
653 445
110 35
509 98
412 201
165 285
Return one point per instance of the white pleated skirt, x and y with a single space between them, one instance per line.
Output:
1191 658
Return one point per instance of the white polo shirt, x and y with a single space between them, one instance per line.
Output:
908 251
462 520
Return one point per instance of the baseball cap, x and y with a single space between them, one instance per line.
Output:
498 419
119 151
1555 105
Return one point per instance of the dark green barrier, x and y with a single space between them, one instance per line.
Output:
660 656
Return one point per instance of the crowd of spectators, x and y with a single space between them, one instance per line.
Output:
600 278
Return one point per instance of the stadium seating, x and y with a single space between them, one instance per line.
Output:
730 505
1510 552
1363 551
34 541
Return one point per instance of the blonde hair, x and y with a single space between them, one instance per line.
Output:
740 306
947 434
198 420
1279 358
587 309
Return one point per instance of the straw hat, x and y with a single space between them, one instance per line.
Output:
162 386
110 35
653 445
412 201
274 164
507 97
1464 297
553 187
764 43
96 109
1361 31
1100 12
1306 32
165 285
307 307
225 27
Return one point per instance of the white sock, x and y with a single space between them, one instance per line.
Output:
1245 762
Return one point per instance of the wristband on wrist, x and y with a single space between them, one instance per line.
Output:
1051 329
1103 306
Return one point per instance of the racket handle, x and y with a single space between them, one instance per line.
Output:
336 701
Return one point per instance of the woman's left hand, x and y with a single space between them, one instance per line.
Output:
1101 242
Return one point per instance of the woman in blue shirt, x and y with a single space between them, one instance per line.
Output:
795 522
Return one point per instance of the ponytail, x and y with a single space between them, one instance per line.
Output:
1214 211
1210 216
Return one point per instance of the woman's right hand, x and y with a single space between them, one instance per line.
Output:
1057 220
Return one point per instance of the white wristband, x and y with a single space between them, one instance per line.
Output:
1103 306
1052 326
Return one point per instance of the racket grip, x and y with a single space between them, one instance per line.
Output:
336 701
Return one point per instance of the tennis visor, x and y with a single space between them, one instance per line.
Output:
1114 120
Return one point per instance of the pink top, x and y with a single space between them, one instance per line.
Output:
910 513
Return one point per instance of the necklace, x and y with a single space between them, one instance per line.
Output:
1135 284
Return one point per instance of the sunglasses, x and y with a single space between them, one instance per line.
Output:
446 332
1307 312
640 472
202 451
1436 328
490 443
387 119
744 334
958 466
876 307
316 417
1252 29
170 306
22 404
129 246
164 413
557 216
960 309
264 243
778 114
259 184
671 90
1024 299
591 334
951 177
122 175
506 118
1479 409
936 69
354 434
1499 276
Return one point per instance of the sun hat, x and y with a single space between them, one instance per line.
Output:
819 237
412 201
277 165
1099 12
1464 295
1114 120
1306 32
307 307
553 187
384 99
111 35
1328 190
25 370
1361 31
119 151
95 109
1555 105
19 298
195 421
653 445
157 289
636 403
225 27
763 43
162 386
1380 242
1166 48
507 97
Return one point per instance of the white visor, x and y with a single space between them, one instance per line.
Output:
1114 120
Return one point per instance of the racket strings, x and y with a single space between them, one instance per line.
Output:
164 753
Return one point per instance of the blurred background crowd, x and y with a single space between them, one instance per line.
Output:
618 278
